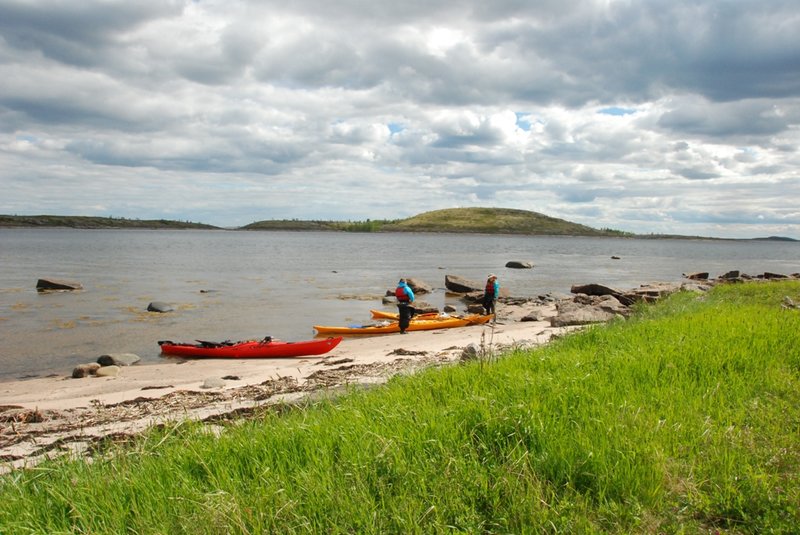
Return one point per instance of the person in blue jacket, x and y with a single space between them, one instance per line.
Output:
405 296
490 294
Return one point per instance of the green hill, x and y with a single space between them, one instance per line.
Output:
463 220
494 221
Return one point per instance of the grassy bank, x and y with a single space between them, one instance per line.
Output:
683 419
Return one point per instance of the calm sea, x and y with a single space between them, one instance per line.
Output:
237 285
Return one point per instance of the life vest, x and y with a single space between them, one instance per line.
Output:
400 294
490 288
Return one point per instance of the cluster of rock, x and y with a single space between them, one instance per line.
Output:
589 303
57 285
106 366
596 303
737 276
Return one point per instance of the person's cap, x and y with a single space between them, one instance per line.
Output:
492 276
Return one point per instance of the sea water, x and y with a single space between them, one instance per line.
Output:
237 285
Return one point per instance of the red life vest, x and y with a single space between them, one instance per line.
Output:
400 294
490 288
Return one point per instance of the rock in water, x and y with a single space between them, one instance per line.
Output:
158 306
518 264
44 285
457 284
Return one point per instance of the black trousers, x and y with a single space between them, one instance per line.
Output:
406 312
488 304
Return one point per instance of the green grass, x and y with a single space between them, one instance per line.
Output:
683 419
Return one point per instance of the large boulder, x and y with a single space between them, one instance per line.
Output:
419 286
698 276
421 307
118 359
44 285
471 352
457 284
107 371
572 313
695 286
518 264
594 289
85 370
159 306
650 293
734 275
601 290
609 303
475 308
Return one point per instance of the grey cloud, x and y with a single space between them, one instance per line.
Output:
768 169
76 32
695 173
681 146
750 118
315 62
637 51
579 195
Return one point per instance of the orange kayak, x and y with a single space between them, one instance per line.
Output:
381 314
385 327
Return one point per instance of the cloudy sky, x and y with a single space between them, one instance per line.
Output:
678 116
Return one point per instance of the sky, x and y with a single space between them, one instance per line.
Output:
651 116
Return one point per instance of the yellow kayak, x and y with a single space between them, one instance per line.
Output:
415 325
381 314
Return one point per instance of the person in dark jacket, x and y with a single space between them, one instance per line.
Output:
405 296
490 294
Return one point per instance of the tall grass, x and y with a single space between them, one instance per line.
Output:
683 419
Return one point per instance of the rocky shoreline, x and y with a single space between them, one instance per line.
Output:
47 417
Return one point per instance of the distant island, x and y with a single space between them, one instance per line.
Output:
89 222
458 220
776 238
453 220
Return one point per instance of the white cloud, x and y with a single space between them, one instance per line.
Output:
659 116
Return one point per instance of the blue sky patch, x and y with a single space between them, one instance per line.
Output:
617 111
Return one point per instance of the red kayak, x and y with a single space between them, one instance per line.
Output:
266 348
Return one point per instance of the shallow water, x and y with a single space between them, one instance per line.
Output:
237 285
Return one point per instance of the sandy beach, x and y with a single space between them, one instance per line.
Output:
51 416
